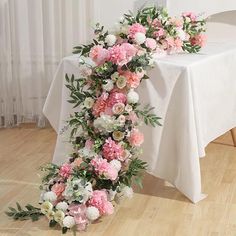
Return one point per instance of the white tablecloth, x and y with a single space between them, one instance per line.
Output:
195 94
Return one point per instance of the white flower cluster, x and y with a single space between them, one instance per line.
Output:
105 123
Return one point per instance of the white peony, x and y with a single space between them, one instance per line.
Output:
127 192
68 222
181 34
62 206
88 102
108 86
132 96
50 196
116 164
105 123
92 213
110 39
139 38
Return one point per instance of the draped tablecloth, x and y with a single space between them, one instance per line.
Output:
195 94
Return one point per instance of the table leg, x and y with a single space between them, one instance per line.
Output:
233 133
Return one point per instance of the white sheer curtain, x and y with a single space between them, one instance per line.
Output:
34 36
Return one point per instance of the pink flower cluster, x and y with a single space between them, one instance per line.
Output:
191 15
136 28
103 168
111 150
100 201
133 79
99 54
122 54
199 40
65 170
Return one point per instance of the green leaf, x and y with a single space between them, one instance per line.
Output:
64 230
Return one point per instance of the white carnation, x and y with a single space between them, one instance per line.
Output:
127 192
68 222
108 86
62 206
116 164
110 39
132 96
92 213
139 38
50 196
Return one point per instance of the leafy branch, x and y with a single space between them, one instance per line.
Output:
30 212
148 117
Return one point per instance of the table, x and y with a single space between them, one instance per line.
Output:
195 94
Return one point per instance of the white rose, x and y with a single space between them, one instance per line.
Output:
121 82
92 213
181 34
88 102
187 19
59 216
139 38
50 196
132 96
127 192
108 86
62 206
68 222
50 215
110 39
116 164
128 108
46 207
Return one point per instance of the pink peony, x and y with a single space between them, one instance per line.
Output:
111 150
116 97
100 201
58 189
122 54
99 54
78 211
136 28
133 79
100 104
191 15
199 40
151 43
65 170
136 138
103 168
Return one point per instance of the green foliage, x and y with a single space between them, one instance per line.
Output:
19 213
50 171
148 117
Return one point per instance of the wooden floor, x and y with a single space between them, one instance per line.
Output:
158 210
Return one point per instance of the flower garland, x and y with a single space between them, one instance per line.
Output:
105 126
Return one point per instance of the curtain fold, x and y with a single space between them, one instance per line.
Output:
34 36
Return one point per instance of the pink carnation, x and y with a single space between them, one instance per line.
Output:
100 104
136 138
100 201
199 40
65 170
116 97
122 54
133 79
99 54
103 168
58 189
78 211
191 15
136 28
111 150
151 43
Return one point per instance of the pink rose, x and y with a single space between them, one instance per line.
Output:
103 168
58 189
65 170
133 80
199 40
118 108
151 43
116 97
191 15
100 201
111 150
99 54
136 28
136 138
